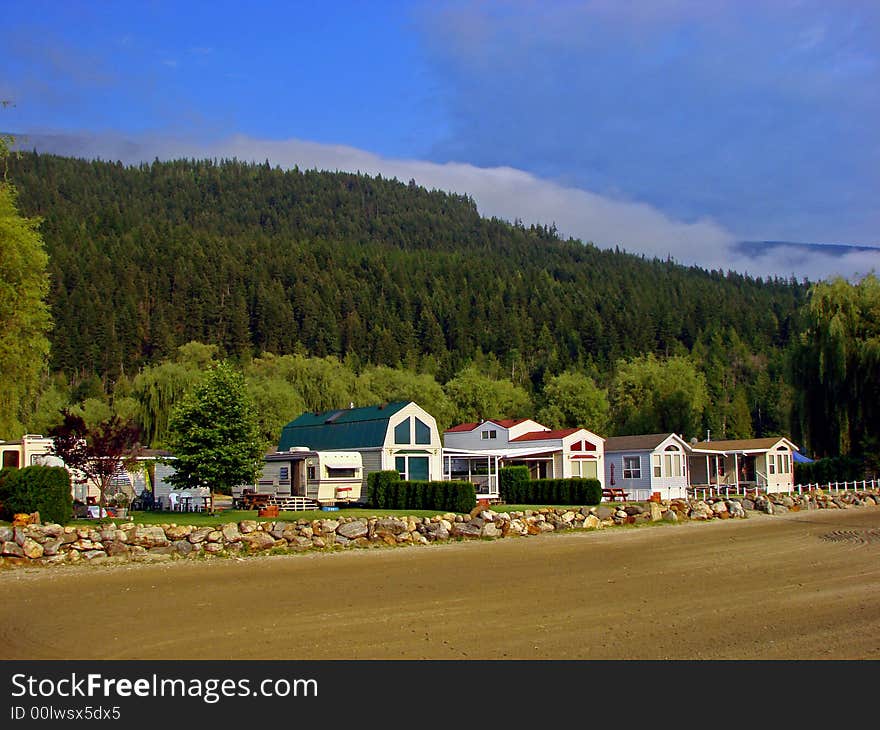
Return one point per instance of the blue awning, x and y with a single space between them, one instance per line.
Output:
800 458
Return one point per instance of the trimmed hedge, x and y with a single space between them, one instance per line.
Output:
386 492
43 489
551 491
830 469
378 486
513 481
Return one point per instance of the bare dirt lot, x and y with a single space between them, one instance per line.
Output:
802 585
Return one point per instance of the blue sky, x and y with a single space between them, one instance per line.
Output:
671 127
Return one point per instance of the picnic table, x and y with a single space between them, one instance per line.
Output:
249 500
612 494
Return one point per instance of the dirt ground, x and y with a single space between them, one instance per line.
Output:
762 588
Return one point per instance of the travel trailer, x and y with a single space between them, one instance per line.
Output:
300 478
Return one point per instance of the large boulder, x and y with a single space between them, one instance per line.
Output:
51 546
149 536
353 530
11 549
436 531
466 529
177 532
258 541
200 534
389 526
32 549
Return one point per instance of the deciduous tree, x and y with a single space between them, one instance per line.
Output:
25 320
214 434
96 454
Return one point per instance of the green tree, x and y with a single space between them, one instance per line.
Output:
276 403
835 365
393 384
573 400
658 396
25 320
214 434
158 388
97 453
475 396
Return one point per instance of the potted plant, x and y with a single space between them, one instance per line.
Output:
120 500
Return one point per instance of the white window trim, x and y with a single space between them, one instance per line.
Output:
633 473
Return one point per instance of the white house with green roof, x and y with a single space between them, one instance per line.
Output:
400 435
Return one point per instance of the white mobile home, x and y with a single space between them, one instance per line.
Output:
764 463
645 464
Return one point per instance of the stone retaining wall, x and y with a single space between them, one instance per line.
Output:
38 545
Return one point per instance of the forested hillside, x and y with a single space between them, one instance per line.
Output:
256 259
259 259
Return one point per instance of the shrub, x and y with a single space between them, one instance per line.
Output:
451 496
556 491
513 483
380 486
43 489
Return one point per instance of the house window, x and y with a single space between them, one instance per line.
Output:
771 465
423 432
673 461
412 468
657 460
632 467
401 433
311 474
10 460
489 435
783 462
583 468
340 472
283 473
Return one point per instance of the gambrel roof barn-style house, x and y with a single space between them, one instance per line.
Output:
402 436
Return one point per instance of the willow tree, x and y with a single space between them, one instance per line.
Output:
835 366
157 389
474 397
573 400
651 395
25 320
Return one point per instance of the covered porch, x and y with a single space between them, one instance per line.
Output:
723 472
482 467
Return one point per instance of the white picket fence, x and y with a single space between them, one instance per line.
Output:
862 485
702 492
